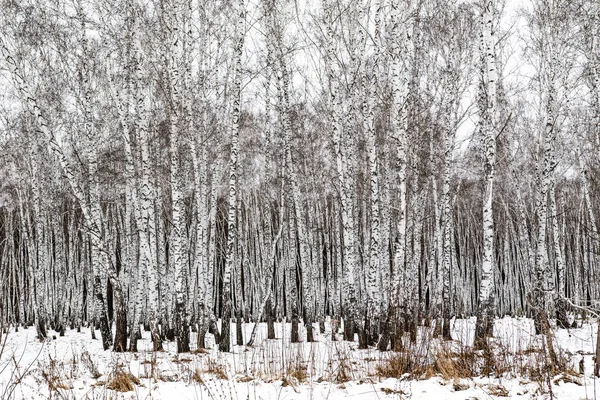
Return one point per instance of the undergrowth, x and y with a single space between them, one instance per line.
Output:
294 364
452 362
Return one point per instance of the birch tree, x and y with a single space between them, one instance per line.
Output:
224 344
488 120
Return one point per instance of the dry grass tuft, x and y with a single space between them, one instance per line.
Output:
197 376
181 360
90 365
52 374
396 365
389 391
123 382
451 365
290 381
497 390
245 379
459 385
448 364
54 382
567 377
342 372
297 371
217 369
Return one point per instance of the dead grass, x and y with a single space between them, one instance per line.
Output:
245 379
123 382
445 363
217 369
297 371
289 380
342 366
390 391
90 365
197 376
453 362
396 365
452 365
335 362
52 375
459 385
497 390
568 377
55 382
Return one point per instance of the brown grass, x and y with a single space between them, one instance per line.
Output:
497 390
396 364
297 371
54 382
52 376
88 363
389 391
452 365
123 382
289 381
341 366
217 369
197 376
568 377
446 363
459 385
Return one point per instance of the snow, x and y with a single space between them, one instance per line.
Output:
76 367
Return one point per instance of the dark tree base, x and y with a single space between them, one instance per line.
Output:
224 342
348 328
183 329
309 332
121 328
270 320
295 321
41 329
214 329
385 338
446 329
239 334
201 338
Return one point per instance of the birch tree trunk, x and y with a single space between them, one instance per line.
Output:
91 214
225 340
446 216
342 141
40 252
485 314
177 121
543 291
372 284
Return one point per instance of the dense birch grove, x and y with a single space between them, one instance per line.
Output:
178 165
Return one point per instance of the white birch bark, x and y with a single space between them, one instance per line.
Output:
544 290
284 106
445 235
487 126
368 109
40 264
91 214
548 138
341 148
224 344
177 121
372 285
399 120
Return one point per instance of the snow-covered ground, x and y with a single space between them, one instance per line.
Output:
76 367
